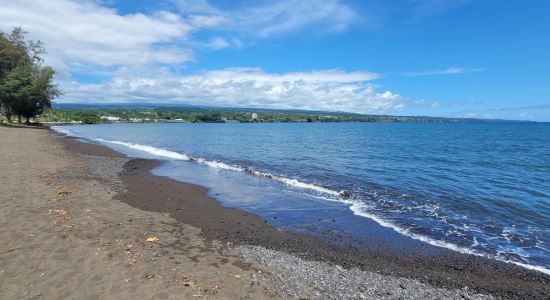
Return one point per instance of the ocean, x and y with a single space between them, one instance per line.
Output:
476 188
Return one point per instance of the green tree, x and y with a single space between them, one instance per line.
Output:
39 94
13 88
89 118
26 87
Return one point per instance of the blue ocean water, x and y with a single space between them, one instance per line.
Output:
479 188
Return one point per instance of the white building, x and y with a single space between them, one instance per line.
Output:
110 118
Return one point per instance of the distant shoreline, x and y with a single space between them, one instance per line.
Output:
46 123
74 113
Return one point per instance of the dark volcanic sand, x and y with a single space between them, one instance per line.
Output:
190 204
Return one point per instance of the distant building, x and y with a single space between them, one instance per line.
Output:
110 118
254 116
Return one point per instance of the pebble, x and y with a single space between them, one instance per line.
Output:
300 278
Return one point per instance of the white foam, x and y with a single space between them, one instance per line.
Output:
61 130
295 183
358 208
148 149
218 165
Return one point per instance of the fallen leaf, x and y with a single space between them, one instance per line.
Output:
63 191
152 239
58 212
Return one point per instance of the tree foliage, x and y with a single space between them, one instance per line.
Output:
89 118
26 86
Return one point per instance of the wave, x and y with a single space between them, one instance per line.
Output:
149 149
296 183
359 209
356 205
61 130
217 164
221 165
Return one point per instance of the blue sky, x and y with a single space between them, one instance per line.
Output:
461 58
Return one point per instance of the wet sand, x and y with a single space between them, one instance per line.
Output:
75 212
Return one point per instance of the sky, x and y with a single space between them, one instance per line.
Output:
450 58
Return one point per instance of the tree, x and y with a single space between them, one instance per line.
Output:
13 53
39 94
26 87
13 89
89 118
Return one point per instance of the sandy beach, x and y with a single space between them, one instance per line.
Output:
81 221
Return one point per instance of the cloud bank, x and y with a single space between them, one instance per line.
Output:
331 90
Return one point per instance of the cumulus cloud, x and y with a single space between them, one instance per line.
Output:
83 32
331 90
133 56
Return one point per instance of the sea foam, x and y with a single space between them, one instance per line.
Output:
149 149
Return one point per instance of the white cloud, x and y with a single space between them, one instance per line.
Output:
283 16
332 90
217 43
206 21
196 6
129 51
448 71
85 33
525 112
274 17
526 116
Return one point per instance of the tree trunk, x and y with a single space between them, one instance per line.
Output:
9 118
28 120
19 119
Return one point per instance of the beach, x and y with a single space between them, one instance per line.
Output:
80 220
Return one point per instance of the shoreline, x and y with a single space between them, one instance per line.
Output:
190 204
